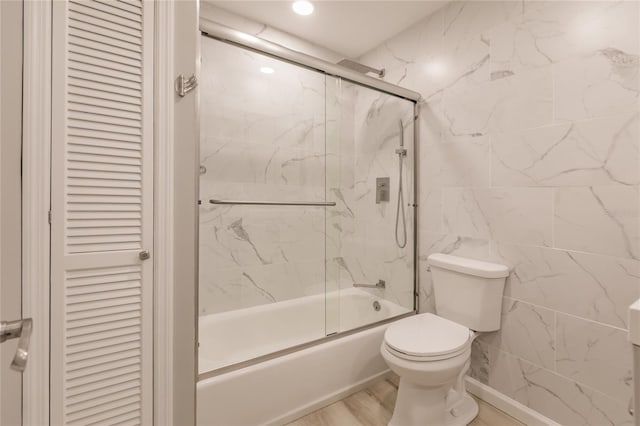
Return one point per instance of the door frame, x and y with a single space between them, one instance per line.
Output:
36 158
163 213
36 204
176 180
11 45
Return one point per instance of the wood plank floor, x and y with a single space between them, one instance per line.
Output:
374 406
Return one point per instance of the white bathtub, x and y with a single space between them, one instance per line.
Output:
283 388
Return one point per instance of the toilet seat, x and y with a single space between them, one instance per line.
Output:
427 337
424 358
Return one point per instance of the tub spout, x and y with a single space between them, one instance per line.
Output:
379 284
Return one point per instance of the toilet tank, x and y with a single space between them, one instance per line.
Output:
468 291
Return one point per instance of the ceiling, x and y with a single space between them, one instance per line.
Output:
350 28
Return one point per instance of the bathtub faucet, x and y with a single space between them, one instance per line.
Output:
379 284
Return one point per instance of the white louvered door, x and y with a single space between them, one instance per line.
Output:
102 213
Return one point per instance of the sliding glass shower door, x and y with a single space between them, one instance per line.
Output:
370 175
262 215
295 242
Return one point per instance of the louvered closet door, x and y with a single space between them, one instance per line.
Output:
102 159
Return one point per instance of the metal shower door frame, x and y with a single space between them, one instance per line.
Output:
236 38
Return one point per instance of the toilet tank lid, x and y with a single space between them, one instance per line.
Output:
468 266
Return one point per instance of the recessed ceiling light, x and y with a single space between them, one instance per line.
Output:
302 7
267 70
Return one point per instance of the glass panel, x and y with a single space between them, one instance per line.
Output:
262 267
274 276
375 233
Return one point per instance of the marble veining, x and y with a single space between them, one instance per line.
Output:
589 286
503 214
598 220
550 32
529 156
600 84
527 331
553 395
297 135
594 152
591 354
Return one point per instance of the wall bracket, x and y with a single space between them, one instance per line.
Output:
185 85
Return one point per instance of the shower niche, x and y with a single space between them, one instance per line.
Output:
293 237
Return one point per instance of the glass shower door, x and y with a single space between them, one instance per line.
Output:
370 174
262 218
306 215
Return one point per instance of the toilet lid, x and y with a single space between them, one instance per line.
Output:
426 335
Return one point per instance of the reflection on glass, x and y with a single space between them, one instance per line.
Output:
364 145
271 276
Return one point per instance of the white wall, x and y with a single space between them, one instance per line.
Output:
529 155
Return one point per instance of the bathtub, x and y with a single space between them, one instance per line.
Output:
282 388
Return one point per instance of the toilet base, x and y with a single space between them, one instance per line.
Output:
421 407
465 411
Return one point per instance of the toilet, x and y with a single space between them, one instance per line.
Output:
431 353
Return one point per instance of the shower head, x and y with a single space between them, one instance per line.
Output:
361 68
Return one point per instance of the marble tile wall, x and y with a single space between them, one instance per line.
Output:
262 138
369 251
529 155
297 135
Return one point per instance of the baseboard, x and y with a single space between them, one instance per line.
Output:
510 406
328 400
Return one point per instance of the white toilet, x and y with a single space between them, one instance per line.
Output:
431 353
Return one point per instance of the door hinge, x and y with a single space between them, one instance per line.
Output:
49 216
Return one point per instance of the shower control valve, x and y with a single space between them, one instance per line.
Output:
382 189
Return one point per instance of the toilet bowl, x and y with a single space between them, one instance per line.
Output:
431 353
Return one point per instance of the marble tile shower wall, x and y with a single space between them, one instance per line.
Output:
262 138
288 136
368 248
529 155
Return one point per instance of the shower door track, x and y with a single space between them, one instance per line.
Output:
232 36
297 348
246 41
